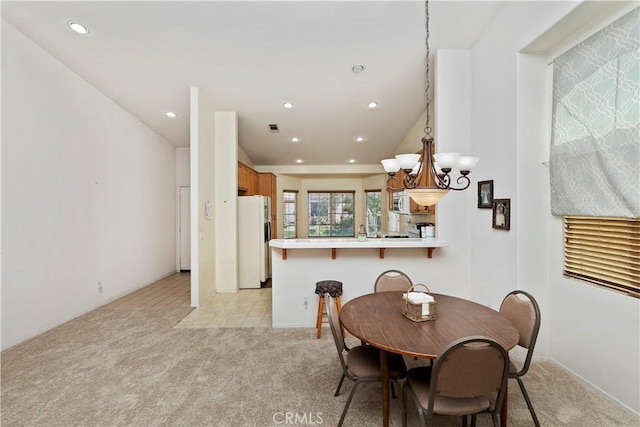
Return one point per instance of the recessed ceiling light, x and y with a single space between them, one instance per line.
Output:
288 105
171 114
299 161
358 68
372 104
294 139
78 28
352 160
359 139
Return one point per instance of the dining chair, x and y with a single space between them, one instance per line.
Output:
362 362
392 280
524 313
468 377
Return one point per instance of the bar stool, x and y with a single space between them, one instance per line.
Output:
333 288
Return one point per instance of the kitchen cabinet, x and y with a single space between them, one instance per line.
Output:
248 181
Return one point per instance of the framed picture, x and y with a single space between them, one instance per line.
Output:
485 194
502 214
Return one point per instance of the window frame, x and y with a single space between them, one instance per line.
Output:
331 215
286 227
372 233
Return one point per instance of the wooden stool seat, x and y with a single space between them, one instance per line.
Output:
333 288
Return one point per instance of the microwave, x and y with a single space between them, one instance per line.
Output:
400 203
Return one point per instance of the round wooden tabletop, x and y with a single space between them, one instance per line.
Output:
378 320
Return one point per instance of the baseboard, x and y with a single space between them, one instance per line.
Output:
595 387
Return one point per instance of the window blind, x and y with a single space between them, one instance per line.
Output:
603 251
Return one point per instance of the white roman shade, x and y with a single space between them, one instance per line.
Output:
595 147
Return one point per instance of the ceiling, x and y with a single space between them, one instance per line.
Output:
251 57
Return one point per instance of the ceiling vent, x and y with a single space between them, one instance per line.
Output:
273 128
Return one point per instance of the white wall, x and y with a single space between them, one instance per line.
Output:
226 203
531 218
243 157
593 332
202 137
87 195
294 278
452 126
183 166
592 326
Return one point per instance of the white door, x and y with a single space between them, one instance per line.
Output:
185 228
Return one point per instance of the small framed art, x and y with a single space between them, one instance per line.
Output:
485 194
502 214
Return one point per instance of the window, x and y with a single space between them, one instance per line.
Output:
331 214
374 212
603 251
593 164
290 202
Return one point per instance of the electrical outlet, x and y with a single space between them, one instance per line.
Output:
305 303
99 286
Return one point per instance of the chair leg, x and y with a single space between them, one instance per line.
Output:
319 318
346 405
405 397
339 385
393 389
403 410
529 405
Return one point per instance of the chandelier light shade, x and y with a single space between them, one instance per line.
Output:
437 166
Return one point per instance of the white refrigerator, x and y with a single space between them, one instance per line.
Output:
254 233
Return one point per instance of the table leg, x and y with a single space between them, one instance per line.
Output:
503 410
384 378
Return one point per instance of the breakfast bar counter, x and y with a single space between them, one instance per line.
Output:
353 243
297 264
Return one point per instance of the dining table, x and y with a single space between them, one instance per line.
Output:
376 319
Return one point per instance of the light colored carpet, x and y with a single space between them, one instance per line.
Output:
119 366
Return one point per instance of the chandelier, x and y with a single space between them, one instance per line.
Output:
437 167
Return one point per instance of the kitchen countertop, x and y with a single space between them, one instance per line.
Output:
353 243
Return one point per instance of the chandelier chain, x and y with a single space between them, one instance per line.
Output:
427 129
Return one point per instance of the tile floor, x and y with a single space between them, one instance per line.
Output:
247 308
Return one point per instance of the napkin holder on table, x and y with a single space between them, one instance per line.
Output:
419 306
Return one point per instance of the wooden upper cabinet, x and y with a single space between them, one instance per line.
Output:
248 181
267 184
243 179
254 182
